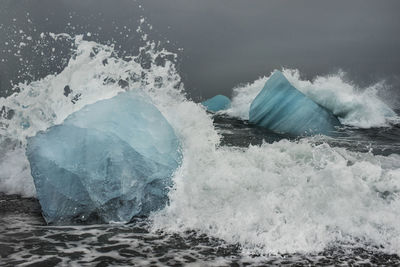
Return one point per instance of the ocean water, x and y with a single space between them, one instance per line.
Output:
243 195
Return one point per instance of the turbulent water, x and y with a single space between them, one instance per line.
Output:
243 195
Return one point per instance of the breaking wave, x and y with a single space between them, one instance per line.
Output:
289 196
357 107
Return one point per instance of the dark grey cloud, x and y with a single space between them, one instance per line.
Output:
227 42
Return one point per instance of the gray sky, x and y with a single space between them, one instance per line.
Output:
227 42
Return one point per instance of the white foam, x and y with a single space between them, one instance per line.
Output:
15 174
42 103
287 197
358 107
281 197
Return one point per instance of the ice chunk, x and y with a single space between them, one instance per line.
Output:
217 103
281 108
109 161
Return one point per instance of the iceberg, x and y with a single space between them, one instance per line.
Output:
108 162
280 107
217 103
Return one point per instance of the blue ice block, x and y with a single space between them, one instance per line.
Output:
108 162
217 103
281 108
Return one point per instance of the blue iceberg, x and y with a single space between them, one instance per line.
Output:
217 103
281 108
108 162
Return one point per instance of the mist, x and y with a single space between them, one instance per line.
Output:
224 43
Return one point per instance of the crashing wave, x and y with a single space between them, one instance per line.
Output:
353 106
259 196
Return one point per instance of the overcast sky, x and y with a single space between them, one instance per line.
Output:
227 42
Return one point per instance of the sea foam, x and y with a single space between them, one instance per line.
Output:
354 106
289 196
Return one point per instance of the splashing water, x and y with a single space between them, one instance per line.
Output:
361 108
289 196
93 73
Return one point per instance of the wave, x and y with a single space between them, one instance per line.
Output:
289 196
354 106
94 72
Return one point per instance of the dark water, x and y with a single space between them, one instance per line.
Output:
379 141
25 240
221 47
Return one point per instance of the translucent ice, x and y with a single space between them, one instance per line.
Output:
217 103
280 107
109 161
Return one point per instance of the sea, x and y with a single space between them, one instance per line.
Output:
243 196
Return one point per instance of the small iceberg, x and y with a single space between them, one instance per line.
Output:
108 162
282 108
217 103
